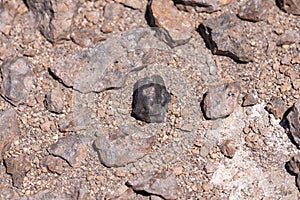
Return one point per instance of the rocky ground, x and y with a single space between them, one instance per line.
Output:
129 99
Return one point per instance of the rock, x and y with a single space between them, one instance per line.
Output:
8 193
162 184
228 148
54 18
54 101
290 6
277 107
221 37
55 164
288 37
17 167
17 80
250 99
118 148
107 65
294 164
86 37
112 13
150 99
174 28
204 5
9 130
220 101
254 10
46 194
134 4
73 149
293 118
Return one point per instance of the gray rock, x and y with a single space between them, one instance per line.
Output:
290 6
220 101
221 37
54 18
9 129
118 148
277 107
17 80
49 195
54 100
150 99
73 149
288 37
162 184
255 10
204 5
293 118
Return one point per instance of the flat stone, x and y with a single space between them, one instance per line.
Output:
277 107
17 168
9 129
73 149
54 100
293 118
162 184
204 5
123 146
221 100
290 6
54 18
150 99
220 35
228 148
254 10
17 80
288 37
174 28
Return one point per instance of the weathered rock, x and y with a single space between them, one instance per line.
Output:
293 118
250 99
8 193
150 99
220 101
221 37
106 65
17 167
163 184
288 37
112 13
46 194
55 164
204 5
73 149
54 18
294 164
277 107
228 148
9 129
54 100
135 4
174 28
254 10
17 80
86 37
290 6
118 148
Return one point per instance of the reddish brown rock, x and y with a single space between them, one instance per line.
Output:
112 13
162 184
290 6
288 37
228 148
17 168
250 99
55 164
293 118
54 100
174 28
255 10
118 148
220 101
277 107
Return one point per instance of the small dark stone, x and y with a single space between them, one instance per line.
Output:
293 118
294 164
150 99
277 107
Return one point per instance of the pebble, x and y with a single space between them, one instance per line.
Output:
277 107
228 148
54 101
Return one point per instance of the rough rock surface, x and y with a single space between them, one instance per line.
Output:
135 4
173 27
55 164
290 6
288 37
220 101
203 5
150 99
8 193
73 149
228 148
9 129
17 80
294 164
293 118
254 10
163 184
219 34
123 146
54 100
277 107
54 18
250 99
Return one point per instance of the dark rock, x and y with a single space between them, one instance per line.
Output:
293 118
54 18
288 37
73 149
162 184
174 28
17 80
118 148
222 38
204 5
255 10
228 148
8 193
220 101
290 6
54 101
17 167
150 99
250 99
277 107
294 164
9 129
